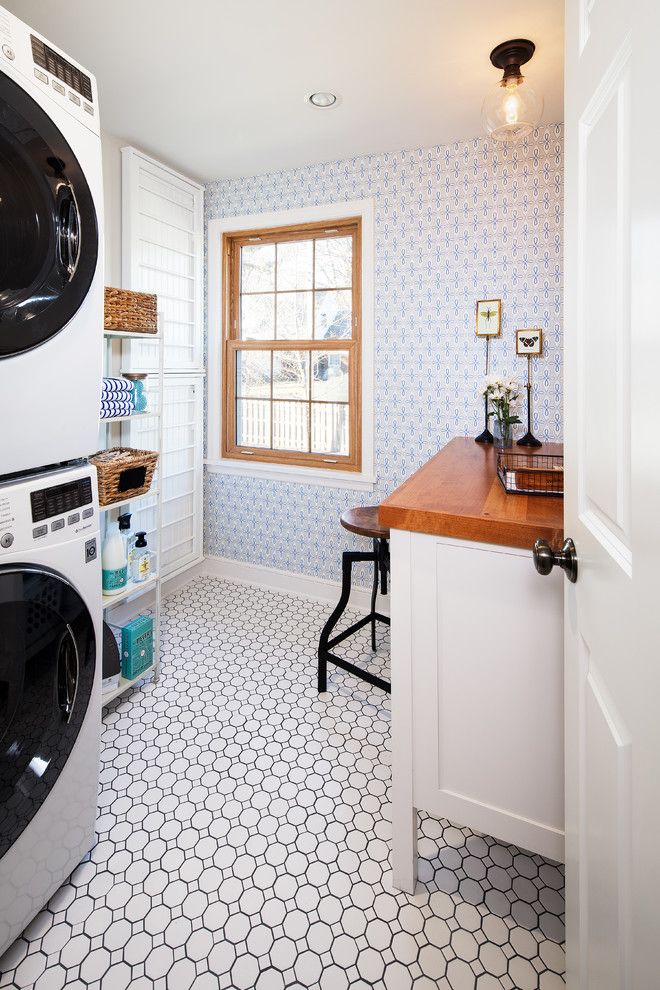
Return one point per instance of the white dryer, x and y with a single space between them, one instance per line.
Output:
51 264
50 676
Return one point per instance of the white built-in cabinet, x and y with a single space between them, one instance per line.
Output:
162 252
477 695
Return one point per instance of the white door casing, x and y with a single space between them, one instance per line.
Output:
612 351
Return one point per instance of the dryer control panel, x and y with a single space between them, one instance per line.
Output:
61 68
55 74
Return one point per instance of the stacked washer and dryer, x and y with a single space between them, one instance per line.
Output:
51 325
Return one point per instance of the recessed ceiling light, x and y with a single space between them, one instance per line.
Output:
322 100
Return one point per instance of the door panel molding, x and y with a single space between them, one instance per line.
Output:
603 284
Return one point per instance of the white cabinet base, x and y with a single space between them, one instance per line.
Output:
477 695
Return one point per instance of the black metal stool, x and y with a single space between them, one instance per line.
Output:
364 522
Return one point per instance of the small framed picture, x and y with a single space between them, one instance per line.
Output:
529 343
489 317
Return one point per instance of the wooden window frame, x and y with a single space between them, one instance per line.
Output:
232 241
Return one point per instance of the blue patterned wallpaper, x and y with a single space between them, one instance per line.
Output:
454 224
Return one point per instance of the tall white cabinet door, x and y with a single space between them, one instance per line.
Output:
612 350
163 252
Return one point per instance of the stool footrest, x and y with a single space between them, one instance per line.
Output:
360 624
364 675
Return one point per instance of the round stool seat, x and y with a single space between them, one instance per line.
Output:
364 521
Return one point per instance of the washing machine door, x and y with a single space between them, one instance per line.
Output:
48 228
47 663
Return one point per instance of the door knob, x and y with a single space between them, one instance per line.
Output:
545 558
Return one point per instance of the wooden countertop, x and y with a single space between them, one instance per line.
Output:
458 494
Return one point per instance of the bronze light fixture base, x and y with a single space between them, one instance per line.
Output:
510 55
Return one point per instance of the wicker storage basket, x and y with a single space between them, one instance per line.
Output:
123 472
132 311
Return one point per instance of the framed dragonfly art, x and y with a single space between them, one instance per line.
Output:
489 317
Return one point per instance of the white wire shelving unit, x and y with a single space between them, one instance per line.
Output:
114 436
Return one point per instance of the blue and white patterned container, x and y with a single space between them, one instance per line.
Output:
139 393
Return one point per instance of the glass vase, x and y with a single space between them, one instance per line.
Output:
502 434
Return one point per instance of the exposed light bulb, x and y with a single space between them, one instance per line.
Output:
511 104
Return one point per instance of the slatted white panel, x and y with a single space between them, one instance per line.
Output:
180 468
162 252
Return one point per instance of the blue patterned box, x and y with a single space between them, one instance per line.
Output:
137 646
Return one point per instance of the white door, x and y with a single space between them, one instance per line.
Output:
612 434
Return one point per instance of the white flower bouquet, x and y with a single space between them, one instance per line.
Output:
503 395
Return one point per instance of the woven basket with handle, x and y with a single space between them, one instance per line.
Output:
123 472
132 311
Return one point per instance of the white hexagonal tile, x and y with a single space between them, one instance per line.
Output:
244 834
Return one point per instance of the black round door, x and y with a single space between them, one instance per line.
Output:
47 663
48 229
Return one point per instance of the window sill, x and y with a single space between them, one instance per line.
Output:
357 481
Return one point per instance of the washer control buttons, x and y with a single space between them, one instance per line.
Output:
88 513
74 98
72 520
8 52
57 524
58 87
6 540
39 531
89 108
41 76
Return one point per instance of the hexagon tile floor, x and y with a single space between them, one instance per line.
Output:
243 836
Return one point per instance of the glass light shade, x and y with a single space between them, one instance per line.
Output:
511 110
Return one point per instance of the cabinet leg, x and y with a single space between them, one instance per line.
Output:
404 849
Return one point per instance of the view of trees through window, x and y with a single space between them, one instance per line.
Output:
294 339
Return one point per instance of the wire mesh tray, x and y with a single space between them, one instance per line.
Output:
531 474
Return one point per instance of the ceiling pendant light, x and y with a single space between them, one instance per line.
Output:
512 109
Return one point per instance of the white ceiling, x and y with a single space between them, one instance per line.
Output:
217 87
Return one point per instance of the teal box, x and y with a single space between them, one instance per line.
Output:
137 647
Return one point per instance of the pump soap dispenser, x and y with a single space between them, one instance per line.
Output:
141 562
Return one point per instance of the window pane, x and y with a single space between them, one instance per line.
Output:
295 260
291 426
329 429
291 374
330 376
253 374
253 422
258 268
258 317
294 316
333 315
334 263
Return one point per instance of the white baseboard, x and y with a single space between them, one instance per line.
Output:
504 825
319 589
172 584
